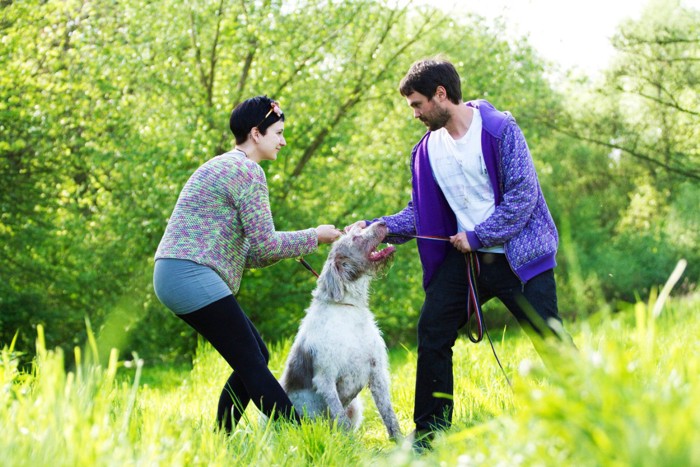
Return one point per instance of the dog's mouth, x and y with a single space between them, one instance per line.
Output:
380 254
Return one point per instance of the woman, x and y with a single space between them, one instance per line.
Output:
222 224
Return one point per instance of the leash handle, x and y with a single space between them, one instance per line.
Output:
473 305
474 309
307 266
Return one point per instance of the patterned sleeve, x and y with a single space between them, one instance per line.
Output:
520 191
401 223
267 246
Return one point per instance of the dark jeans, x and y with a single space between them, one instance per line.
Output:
445 311
233 335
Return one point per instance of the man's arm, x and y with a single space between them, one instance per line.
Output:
520 193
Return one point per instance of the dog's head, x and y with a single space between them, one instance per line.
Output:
355 255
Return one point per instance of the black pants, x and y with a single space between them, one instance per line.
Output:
445 311
233 335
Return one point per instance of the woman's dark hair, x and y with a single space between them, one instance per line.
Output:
258 111
425 76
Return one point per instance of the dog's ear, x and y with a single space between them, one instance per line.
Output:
331 283
342 270
347 268
339 276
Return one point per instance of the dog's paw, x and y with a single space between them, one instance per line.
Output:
395 434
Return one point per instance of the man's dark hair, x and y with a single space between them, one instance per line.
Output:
253 112
425 76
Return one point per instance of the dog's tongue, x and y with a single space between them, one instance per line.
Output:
376 255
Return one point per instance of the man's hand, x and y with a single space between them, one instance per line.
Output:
460 242
361 224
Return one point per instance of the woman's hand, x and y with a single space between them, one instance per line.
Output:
327 233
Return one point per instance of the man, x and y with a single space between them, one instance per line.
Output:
474 182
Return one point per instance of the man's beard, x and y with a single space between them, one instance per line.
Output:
437 121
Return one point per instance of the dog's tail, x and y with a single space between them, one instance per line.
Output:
354 412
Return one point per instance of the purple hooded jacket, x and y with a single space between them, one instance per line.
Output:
521 221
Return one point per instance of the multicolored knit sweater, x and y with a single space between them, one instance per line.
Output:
222 220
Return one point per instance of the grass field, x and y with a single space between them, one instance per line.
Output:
629 396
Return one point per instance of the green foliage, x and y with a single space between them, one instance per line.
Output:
656 78
629 395
625 398
624 161
106 108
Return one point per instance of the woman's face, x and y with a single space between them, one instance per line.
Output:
271 142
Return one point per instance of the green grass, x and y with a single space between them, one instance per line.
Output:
630 395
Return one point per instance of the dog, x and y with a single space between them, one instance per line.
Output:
339 350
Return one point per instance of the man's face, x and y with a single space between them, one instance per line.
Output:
428 111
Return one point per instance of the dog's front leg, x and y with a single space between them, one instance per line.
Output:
325 386
379 386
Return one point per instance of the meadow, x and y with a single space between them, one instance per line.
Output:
106 108
628 395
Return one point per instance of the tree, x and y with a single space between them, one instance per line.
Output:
108 107
635 134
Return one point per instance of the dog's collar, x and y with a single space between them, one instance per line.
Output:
339 303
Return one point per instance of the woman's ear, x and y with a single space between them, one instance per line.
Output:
255 134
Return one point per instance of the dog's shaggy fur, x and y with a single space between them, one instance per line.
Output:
339 349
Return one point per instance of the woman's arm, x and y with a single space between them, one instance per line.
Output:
267 246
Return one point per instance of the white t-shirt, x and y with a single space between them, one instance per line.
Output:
459 168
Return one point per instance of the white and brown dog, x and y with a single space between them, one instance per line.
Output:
339 349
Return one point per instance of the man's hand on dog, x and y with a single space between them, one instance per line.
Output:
361 224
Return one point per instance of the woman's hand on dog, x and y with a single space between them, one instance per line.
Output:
327 233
